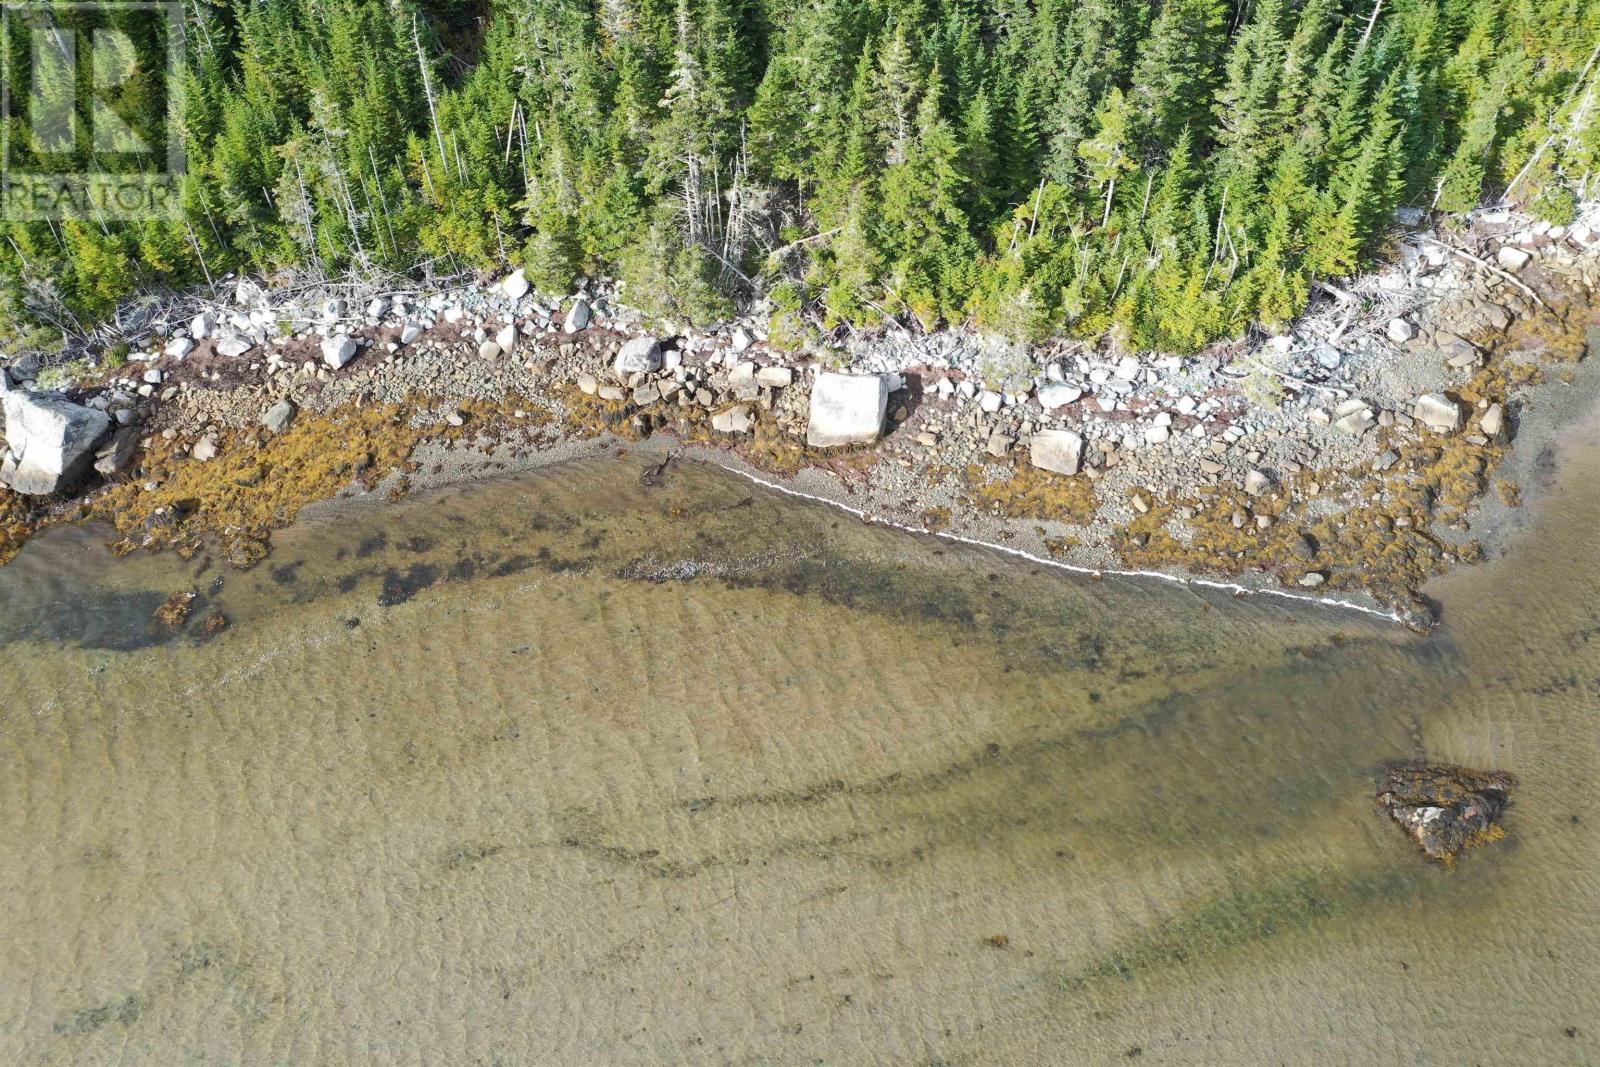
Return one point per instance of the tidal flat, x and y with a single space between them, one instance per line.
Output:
570 768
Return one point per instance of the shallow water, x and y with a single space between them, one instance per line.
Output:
569 769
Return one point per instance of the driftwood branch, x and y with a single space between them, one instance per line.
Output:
1490 267
779 253
1334 291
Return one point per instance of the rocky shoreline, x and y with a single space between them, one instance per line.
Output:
1345 458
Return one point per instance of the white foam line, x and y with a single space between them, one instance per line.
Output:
1207 583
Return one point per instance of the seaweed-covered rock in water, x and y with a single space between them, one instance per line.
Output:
1446 809
174 612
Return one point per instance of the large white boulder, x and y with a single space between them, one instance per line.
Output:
1438 412
234 345
578 317
338 350
1059 451
1512 259
847 409
737 419
1058 395
641 355
50 441
515 284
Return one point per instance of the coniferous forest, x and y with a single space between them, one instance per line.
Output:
1161 171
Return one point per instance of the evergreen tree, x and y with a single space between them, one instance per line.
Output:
1167 171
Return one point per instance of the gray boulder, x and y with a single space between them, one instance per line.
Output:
847 409
50 442
114 456
25 368
1355 423
234 345
279 416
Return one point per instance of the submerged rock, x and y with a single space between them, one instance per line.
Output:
174 611
1446 809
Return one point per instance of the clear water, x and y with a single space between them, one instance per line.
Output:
568 769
